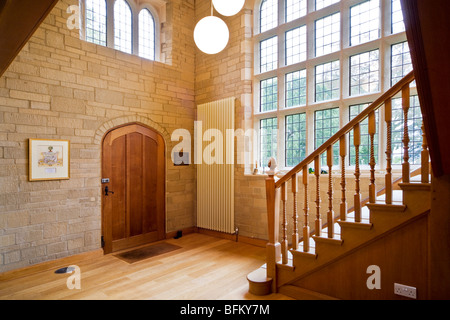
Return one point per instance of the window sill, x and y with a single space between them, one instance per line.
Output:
349 173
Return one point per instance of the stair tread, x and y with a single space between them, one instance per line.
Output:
311 252
397 201
325 235
361 225
394 202
418 178
397 196
379 210
312 244
415 183
303 294
352 220
259 276
419 186
259 283
365 223
288 266
365 213
336 233
380 207
325 239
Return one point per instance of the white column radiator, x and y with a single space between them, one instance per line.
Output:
215 171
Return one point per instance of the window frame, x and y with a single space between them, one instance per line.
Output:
302 42
397 22
277 129
273 84
300 88
324 36
286 149
359 35
383 43
275 21
403 64
156 8
104 23
273 62
153 36
364 135
121 21
303 5
316 8
368 73
323 157
331 81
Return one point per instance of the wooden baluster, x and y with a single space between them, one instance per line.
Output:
343 154
372 132
330 213
318 225
306 212
357 197
284 242
273 223
295 237
406 140
388 177
425 157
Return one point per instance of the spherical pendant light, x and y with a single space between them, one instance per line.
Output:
228 7
211 35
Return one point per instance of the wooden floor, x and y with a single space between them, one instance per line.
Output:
205 268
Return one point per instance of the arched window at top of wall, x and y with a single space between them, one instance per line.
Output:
123 26
146 34
95 21
268 15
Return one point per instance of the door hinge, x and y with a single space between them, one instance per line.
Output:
102 242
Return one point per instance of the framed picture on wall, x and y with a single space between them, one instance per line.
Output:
49 159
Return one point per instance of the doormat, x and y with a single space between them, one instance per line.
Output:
140 254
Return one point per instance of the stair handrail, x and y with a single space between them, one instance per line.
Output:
277 189
394 90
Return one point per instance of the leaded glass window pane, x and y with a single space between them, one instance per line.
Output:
146 35
122 26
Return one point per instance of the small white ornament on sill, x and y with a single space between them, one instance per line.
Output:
272 166
255 170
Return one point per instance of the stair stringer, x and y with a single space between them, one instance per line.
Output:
384 219
347 276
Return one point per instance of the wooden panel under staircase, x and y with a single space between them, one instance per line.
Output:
347 277
19 19
428 37
334 242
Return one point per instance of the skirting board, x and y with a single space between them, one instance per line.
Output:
232 237
50 265
64 262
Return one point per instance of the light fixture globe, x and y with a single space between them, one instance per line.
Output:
211 35
228 7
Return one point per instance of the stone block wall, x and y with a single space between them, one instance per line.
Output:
229 74
60 87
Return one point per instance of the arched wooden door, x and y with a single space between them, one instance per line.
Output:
133 187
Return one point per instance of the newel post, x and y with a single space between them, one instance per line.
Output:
273 223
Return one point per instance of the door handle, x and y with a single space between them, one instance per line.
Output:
107 191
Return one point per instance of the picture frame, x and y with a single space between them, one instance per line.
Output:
49 159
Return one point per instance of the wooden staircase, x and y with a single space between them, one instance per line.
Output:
18 22
294 265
